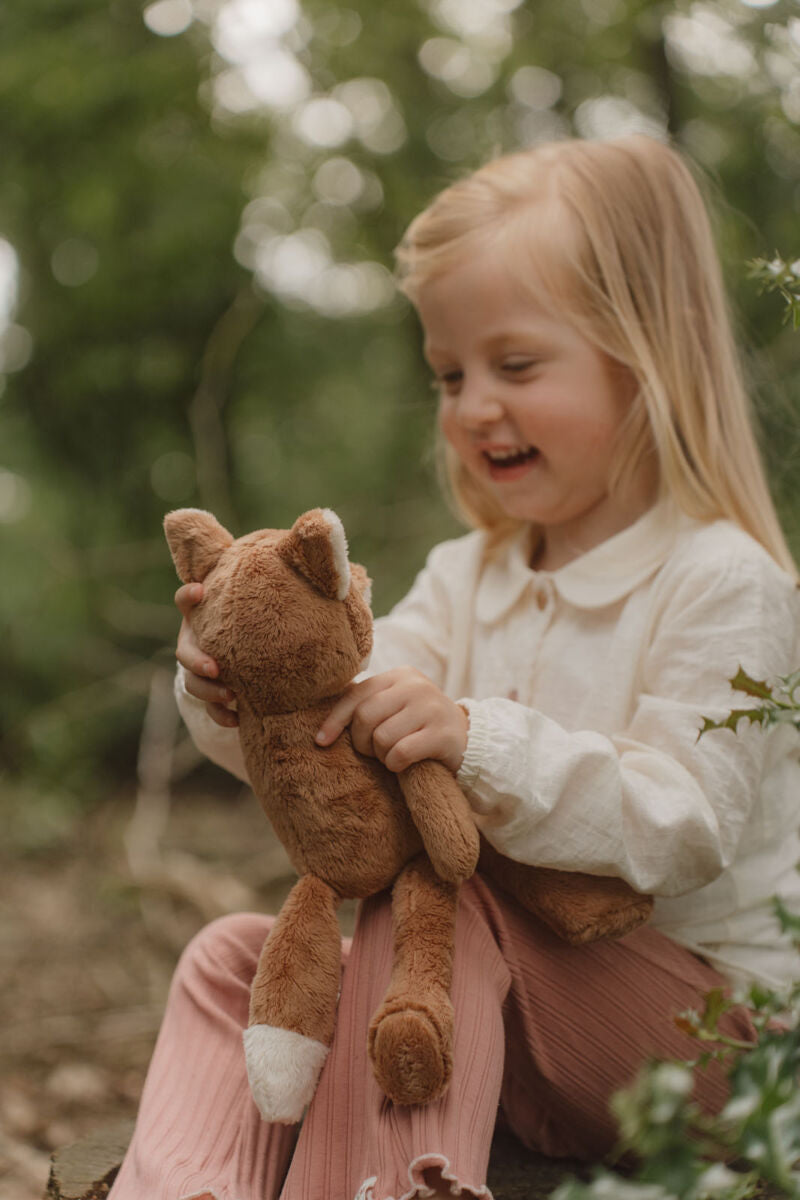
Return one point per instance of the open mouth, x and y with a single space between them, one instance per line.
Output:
501 460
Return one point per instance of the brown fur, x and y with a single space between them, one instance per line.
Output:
579 908
288 647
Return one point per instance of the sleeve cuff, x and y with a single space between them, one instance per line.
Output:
190 708
217 742
477 743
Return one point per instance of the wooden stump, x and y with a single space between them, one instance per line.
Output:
87 1169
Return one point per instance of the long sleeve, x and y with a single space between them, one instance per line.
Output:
218 743
651 803
418 630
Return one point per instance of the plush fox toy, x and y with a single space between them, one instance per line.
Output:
287 618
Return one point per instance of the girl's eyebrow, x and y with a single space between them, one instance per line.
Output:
521 341
430 352
527 337
496 341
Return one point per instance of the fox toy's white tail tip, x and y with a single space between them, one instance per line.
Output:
283 1068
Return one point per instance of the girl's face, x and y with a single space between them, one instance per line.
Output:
531 407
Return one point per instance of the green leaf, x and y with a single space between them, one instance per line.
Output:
756 716
742 682
789 921
716 1005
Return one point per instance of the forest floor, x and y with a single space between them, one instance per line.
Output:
89 934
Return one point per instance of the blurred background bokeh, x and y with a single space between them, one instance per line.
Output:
199 200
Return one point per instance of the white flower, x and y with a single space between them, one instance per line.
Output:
716 1179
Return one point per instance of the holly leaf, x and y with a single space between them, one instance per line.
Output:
716 1005
756 716
742 682
789 921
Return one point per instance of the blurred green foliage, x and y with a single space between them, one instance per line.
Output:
189 190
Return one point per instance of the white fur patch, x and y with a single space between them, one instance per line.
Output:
339 548
283 1068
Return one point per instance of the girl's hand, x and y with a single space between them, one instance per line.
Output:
400 717
201 671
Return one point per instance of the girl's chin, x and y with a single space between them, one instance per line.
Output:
518 490
536 505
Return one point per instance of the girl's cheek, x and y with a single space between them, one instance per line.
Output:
446 422
454 438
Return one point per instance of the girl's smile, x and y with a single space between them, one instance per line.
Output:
530 406
510 463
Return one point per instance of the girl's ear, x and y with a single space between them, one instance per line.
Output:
316 548
196 540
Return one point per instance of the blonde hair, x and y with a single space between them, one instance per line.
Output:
618 236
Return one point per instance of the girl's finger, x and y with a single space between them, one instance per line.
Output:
392 731
412 749
341 714
222 715
190 656
361 741
207 690
188 596
338 718
372 712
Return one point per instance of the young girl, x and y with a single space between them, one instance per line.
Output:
625 560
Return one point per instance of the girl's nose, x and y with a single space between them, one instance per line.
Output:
477 407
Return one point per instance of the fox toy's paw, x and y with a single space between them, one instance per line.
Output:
411 1050
283 1068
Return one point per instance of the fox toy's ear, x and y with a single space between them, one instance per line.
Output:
316 547
358 609
196 540
362 581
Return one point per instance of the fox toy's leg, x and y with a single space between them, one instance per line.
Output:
410 1036
293 1002
578 908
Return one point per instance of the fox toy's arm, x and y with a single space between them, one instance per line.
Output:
440 812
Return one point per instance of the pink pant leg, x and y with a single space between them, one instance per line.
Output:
198 1129
548 1030
580 1022
354 1142
552 1029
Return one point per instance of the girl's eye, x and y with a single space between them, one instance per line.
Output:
516 366
448 381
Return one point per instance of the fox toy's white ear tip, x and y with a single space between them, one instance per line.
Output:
341 561
316 547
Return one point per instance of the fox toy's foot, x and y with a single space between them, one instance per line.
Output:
411 1050
411 1035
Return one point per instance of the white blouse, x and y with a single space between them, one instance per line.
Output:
586 688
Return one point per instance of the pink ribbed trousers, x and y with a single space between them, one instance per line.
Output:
544 1031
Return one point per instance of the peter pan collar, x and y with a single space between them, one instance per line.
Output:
599 577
